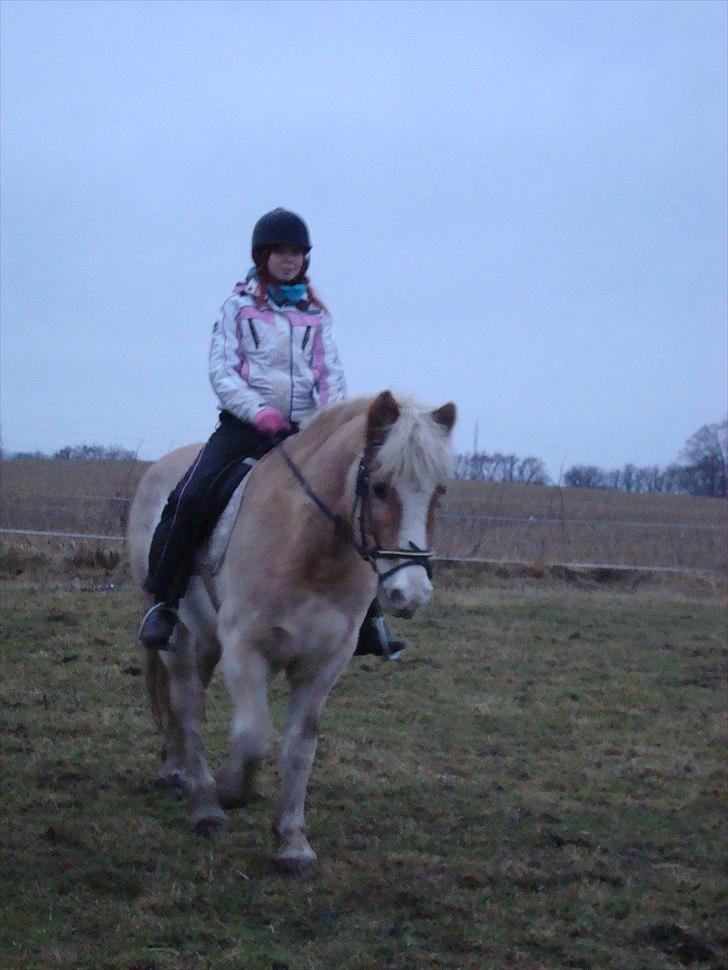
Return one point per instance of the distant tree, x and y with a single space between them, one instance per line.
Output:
532 471
627 482
507 467
675 479
648 479
584 476
95 452
18 455
499 467
706 460
611 479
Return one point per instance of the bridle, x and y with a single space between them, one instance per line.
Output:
362 513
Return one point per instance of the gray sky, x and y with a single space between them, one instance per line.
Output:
519 206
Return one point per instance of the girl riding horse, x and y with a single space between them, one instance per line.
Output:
335 513
273 363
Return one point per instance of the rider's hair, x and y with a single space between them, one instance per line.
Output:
260 258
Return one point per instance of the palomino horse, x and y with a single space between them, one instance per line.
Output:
342 510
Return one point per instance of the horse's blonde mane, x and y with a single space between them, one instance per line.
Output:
417 450
324 423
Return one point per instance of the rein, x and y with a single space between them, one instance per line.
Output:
414 556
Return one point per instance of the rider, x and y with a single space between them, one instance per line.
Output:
273 363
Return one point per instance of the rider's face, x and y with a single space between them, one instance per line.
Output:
285 263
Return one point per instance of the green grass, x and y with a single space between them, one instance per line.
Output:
537 783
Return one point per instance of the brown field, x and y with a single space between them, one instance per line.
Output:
486 520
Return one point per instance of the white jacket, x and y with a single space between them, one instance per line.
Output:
273 356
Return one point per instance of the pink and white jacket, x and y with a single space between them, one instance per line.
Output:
273 356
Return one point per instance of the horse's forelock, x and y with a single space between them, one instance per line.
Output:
417 451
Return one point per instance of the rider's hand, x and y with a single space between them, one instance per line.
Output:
270 421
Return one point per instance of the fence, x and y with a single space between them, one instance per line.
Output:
479 522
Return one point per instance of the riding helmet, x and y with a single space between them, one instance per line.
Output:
280 228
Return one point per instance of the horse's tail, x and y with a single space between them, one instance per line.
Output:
158 687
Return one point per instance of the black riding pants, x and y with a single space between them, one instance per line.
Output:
193 507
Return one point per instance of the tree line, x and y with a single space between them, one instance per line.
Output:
702 469
80 453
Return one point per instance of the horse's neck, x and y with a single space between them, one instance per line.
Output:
328 465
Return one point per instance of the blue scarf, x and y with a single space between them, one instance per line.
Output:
287 294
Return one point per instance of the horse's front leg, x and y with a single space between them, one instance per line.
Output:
247 675
308 696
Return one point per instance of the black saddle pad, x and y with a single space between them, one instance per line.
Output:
221 490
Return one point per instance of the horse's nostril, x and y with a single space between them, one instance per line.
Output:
397 597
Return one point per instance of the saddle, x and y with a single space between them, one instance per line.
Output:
223 506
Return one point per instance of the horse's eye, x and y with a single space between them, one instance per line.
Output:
381 491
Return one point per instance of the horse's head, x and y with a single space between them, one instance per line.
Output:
410 461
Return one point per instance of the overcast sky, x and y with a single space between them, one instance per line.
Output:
519 206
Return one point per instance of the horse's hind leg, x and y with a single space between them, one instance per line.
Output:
187 697
172 774
246 673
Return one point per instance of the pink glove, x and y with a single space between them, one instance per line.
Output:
270 421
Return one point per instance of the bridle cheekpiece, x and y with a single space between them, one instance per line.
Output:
361 513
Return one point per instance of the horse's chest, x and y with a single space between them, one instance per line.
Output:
314 629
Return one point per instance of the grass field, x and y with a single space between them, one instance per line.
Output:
551 524
538 783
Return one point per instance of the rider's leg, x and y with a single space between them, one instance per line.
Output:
186 522
374 636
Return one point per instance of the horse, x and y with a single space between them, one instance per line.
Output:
338 513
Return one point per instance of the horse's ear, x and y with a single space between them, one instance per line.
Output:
383 412
445 416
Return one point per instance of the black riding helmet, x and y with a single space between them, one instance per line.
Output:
280 228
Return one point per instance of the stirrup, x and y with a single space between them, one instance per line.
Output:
391 649
158 626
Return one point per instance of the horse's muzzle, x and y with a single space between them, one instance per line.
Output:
405 594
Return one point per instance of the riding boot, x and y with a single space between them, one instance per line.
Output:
158 626
374 637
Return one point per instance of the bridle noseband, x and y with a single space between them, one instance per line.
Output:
362 512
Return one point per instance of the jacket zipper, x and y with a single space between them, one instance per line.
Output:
290 332
254 333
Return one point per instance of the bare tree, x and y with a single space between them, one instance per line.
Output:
706 460
584 476
532 471
498 467
90 452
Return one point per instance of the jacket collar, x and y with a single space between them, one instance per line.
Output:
249 286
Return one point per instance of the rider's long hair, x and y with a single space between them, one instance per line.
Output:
260 258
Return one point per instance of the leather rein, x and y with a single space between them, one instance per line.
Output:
362 512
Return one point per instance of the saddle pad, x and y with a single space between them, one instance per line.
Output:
211 557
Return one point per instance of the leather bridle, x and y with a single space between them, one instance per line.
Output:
362 514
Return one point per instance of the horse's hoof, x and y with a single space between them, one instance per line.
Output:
236 789
173 782
236 795
210 827
210 823
237 799
295 857
295 868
